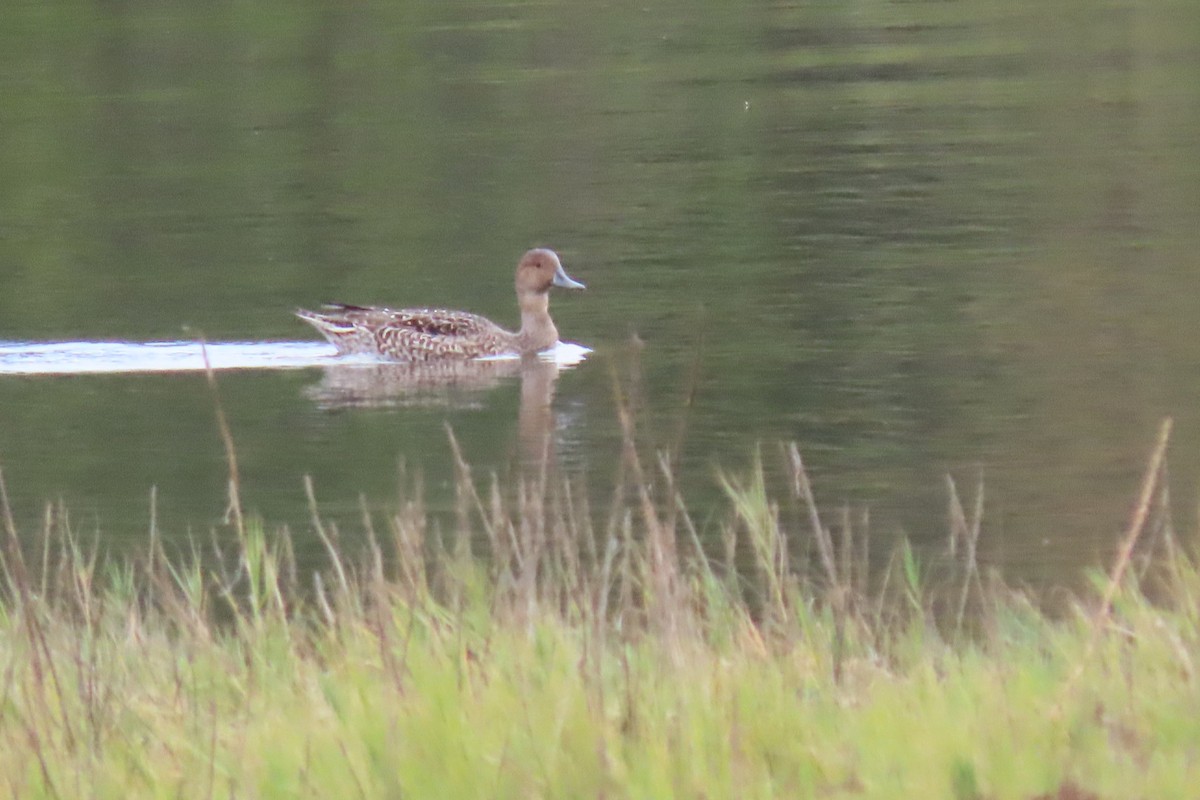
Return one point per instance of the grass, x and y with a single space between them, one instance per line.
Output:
591 654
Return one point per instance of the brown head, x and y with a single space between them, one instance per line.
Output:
538 270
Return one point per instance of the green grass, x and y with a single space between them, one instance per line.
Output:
589 655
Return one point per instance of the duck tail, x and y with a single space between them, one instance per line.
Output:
331 327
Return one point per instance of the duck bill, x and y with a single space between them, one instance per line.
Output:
565 281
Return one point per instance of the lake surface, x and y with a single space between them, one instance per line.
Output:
916 238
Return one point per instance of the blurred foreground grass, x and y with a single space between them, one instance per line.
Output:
579 658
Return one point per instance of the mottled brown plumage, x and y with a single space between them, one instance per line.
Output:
430 334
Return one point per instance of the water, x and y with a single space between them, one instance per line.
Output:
87 358
916 238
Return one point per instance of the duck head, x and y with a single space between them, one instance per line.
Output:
538 270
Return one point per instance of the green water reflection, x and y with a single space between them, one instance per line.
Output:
913 237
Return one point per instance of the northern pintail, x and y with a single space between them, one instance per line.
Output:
428 334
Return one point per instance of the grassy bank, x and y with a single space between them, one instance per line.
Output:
589 655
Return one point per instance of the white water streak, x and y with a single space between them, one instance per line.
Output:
74 358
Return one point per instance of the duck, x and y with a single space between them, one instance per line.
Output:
434 334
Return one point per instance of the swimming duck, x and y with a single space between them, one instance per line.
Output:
425 334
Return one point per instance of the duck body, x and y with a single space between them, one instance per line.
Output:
410 334
430 334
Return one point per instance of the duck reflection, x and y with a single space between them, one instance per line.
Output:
448 384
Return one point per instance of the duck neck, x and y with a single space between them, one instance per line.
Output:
537 329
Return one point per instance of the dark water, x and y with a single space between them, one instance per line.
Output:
915 238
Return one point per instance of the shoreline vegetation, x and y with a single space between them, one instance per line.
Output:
589 654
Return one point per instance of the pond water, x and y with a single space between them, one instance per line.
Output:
916 238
